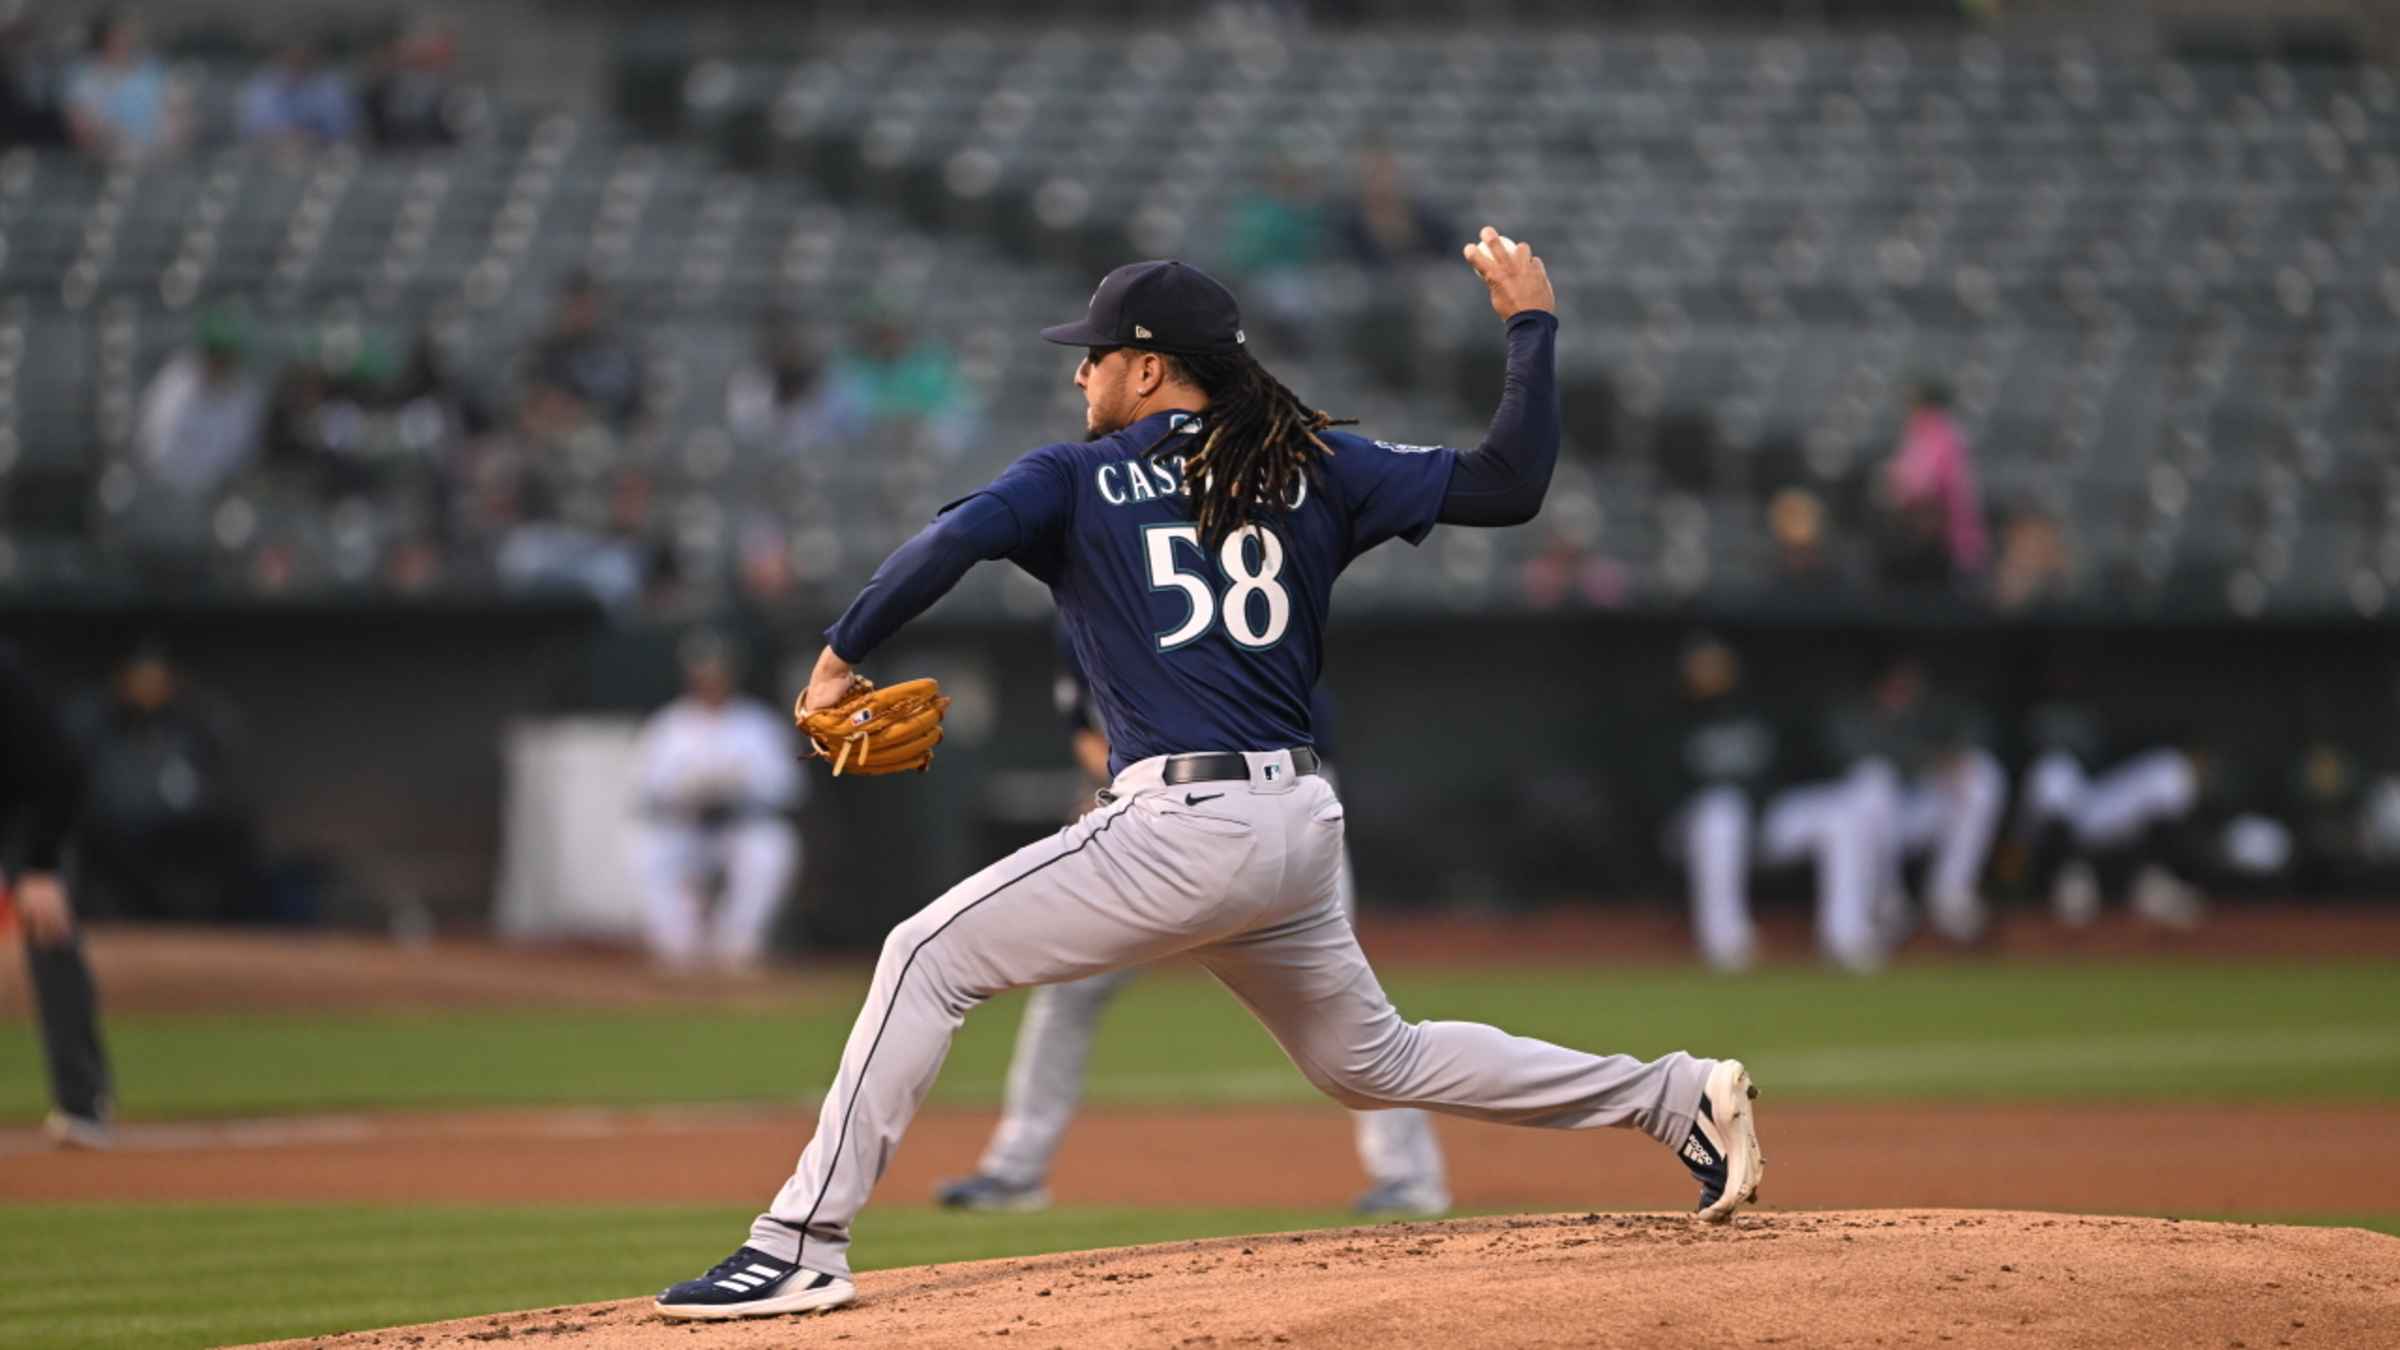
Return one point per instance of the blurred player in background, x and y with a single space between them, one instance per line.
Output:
720 778
1731 758
1402 1157
41 789
2128 829
167 830
1933 789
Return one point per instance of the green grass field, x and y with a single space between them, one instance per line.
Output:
2117 1032
2132 1032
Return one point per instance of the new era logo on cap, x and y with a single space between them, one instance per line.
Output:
1183 310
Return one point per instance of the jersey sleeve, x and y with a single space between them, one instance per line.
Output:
1022 516
1039 492
1389 490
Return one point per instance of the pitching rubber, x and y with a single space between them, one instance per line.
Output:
1734 1121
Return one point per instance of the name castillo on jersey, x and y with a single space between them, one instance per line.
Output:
1148 477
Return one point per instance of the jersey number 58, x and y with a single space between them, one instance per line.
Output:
1251 563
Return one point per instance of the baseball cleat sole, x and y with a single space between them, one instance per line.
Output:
1730 1094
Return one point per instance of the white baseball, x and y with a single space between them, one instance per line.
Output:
1506 244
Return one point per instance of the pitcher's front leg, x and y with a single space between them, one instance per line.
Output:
1042 914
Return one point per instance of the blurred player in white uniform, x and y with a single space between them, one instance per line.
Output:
1731 758
1934 790
1402 1157
719 781
2127 828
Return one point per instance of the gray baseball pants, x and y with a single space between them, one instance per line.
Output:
1245 876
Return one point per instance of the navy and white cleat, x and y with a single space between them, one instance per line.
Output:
992 1195
1722 1150
751 1283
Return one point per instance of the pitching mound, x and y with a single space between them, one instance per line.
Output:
1930 1278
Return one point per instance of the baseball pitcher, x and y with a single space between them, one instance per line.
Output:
1191 543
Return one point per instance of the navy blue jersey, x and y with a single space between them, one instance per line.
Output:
1187 650
1071 695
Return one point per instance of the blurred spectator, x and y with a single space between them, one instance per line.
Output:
1566 567
327 430
1384 226
119 104
414 564
633 524
614 565
2034 566
719 777
413 100
443 428
30 111
1936 531
166 832
583 369
1275 234
294 440
890 385
1388 224
1802 560
540 551
298 102
441 404
763 561
771 399
201 416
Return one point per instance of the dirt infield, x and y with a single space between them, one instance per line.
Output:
2143 1159
1865 1278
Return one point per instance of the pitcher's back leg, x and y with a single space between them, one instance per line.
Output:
1310 984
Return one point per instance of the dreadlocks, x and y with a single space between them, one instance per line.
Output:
1258 440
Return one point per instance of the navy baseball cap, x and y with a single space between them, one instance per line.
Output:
1163 306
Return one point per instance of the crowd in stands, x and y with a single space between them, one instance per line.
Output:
481 465
508 472
101 87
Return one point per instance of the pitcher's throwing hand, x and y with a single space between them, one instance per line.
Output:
1513 271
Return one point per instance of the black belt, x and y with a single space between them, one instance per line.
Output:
1217 768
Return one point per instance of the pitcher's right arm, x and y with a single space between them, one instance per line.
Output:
1504 480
